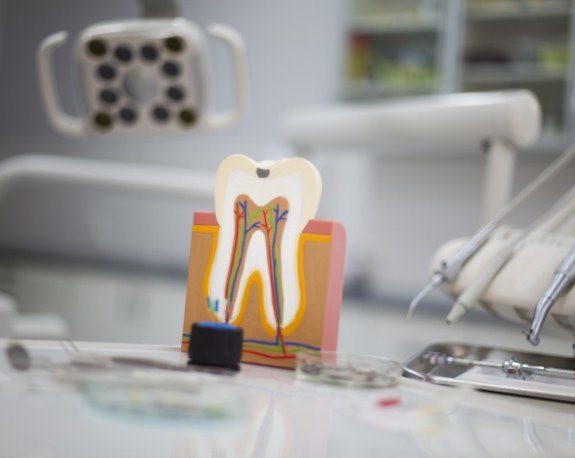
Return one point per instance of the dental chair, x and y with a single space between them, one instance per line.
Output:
98 240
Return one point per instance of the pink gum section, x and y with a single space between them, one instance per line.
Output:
334 284
335 276
205 219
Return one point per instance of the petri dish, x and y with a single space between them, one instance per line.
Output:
348 370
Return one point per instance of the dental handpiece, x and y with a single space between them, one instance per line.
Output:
466 300
550 221
449 268
562 280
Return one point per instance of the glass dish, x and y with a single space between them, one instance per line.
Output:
349 370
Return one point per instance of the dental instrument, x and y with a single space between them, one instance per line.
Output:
548 222
131 384
498 370
474 291
20 359
450 267
561 282
510 367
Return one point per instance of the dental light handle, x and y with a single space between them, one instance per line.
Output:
449 269
58 118
236 45
466 300
562 280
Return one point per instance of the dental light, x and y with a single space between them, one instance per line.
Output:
143 76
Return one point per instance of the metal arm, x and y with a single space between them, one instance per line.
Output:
160 8
499 174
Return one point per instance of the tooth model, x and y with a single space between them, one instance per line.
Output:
263 263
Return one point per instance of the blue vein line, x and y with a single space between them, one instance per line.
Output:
256 225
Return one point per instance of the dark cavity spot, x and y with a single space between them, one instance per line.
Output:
263 173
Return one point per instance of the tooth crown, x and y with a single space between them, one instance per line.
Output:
254 266
300 169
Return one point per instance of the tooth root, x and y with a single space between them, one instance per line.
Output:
261 216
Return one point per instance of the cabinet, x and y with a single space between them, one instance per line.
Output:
410 47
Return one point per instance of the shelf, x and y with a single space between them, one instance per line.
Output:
552 10
380 26
530 38
495 74
366 90
478 17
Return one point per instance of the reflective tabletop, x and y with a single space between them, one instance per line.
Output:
281 417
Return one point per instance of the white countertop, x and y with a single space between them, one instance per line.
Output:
283 418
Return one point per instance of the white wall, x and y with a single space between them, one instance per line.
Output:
406 209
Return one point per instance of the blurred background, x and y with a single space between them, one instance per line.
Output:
114 264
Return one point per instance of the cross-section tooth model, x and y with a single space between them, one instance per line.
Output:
263 263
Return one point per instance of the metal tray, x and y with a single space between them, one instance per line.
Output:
493 379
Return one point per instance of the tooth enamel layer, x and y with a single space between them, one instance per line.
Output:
261 219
